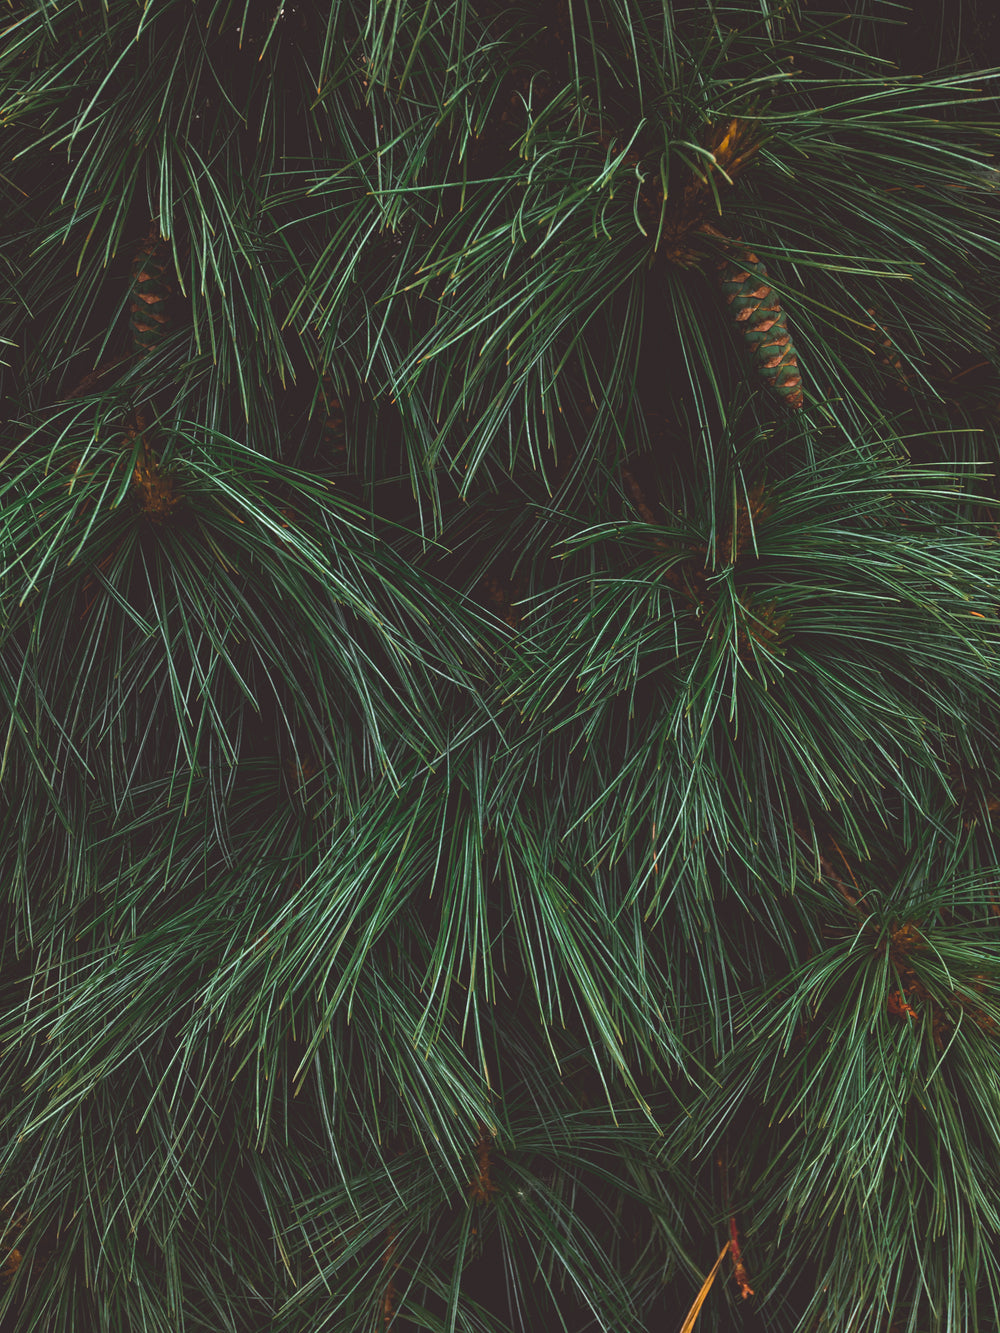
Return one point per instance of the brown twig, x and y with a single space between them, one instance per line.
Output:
390 1292
739 1268
482 1187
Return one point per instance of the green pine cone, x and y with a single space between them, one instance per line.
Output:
152 289
756 306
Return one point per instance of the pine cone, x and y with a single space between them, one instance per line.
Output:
756 306
148 307
152 485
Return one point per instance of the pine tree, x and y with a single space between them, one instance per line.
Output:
499 665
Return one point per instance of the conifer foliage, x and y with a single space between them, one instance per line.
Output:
500 780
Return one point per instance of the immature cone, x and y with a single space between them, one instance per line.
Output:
755 305
152 484
151 292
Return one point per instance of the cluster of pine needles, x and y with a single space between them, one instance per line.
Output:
499 667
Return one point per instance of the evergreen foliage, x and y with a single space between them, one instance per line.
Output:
500 774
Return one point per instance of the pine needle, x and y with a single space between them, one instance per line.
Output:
706 1287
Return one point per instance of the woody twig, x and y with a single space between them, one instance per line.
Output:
739 1267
